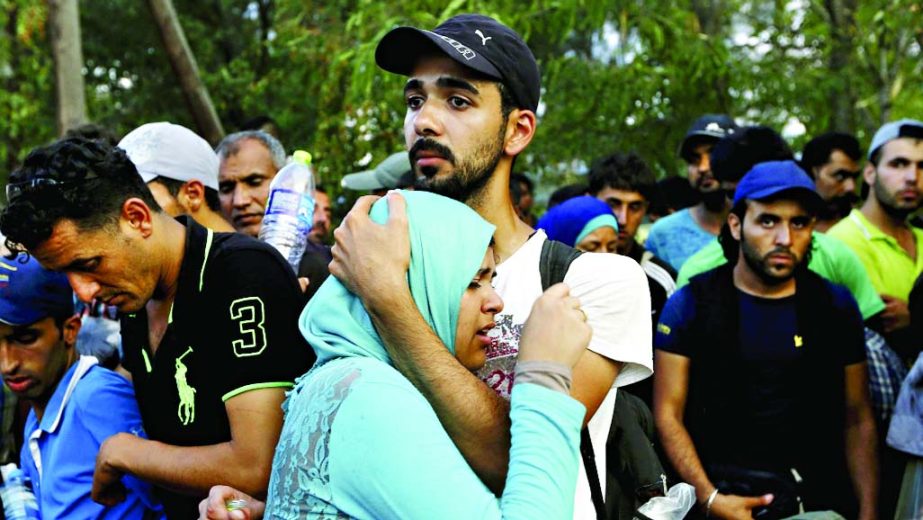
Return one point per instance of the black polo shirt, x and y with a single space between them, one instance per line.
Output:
233 328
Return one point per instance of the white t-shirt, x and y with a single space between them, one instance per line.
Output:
614 294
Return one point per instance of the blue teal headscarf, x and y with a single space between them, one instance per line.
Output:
447 245
574 219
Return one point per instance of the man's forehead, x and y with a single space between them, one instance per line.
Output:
66 244
430 69
908 147
778 207
623 195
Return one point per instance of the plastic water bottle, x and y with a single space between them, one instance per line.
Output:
18 500
290 210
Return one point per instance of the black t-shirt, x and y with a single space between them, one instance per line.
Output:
770 349
233 328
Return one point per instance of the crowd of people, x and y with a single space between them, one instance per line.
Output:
739 343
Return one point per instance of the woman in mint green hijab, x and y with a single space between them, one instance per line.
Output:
360 441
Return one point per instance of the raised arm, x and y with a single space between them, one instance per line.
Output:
372 261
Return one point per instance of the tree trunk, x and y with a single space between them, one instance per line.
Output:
186 70
710 15
64 35
843 30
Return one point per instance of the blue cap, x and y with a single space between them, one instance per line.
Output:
769 178
29 292
895 130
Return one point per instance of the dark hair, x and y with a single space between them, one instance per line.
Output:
91 182
673 193
621 171
507 103
566 193
817 151
173 186
736 154
94 132
516 182
729 244
320 188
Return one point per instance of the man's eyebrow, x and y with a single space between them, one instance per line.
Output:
76 263
456 83
848 173
413 84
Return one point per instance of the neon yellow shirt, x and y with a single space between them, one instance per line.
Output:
890 268
830 258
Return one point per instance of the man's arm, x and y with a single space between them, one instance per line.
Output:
244 462
372 261
474 416
861 440
671 386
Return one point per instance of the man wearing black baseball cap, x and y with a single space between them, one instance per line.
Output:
472 91
678 236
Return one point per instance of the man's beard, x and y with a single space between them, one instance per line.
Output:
468 178
715 201
838 207
760 264
889 202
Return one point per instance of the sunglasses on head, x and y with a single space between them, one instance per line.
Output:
15 189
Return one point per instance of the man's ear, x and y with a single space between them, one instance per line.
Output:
734 224
520 128
137 215
191 196
70 328
869 173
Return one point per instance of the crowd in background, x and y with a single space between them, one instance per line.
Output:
735 342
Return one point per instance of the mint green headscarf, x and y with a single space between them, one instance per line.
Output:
447 245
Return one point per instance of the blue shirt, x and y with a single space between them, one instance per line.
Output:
676 237
89 405
770 350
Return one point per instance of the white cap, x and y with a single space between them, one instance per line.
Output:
171 151
895 130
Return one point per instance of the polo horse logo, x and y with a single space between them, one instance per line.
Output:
186 410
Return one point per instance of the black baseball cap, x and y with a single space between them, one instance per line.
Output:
475 41
707 128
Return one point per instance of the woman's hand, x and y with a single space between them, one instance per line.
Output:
215 507
556 330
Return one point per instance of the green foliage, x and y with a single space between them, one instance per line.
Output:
617 75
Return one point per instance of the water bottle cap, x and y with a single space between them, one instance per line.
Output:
302 157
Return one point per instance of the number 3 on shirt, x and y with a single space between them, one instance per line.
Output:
249 314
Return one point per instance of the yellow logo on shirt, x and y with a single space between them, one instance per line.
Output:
186 410
799 341
664 329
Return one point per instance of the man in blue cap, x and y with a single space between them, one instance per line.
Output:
761 390
76 404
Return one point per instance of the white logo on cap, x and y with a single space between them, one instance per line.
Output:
483 38
713 127
467 53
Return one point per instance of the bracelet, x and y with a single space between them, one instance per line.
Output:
709 502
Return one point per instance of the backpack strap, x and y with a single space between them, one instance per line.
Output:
554 262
